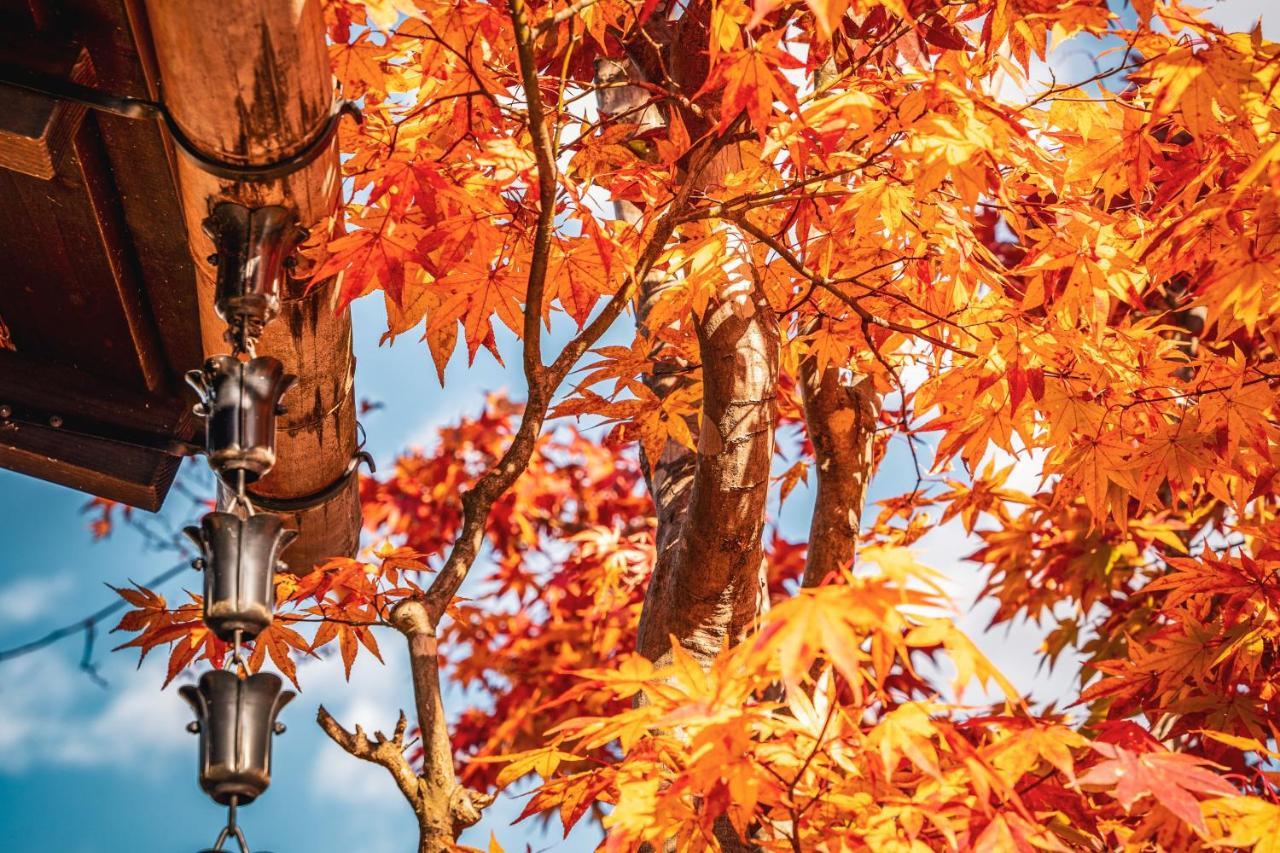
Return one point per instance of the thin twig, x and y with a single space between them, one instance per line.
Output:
87 625
850 301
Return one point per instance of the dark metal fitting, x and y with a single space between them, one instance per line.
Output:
239 401
236 717
241 556
253 244
321 495
136 108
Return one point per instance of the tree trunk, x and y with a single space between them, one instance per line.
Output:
840 411
707 588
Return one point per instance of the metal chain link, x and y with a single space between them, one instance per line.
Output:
242 336
231 830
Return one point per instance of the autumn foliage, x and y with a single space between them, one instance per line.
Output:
864 222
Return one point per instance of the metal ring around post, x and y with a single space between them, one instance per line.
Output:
65 90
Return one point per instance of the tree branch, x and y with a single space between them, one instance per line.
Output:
830 286
387 753
478 501
547 186
444 808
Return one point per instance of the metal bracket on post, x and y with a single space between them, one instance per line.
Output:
140 108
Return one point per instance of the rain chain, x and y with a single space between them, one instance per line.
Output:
240 549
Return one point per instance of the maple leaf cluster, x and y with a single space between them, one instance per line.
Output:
415 512
848 756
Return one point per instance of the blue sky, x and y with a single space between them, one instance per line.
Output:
85 768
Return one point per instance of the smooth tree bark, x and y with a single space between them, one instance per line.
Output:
708 585
443 806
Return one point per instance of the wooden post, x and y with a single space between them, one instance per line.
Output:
249 83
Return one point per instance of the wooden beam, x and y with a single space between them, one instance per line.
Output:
256 93
137 476
35 130
97 287
72 293
71 428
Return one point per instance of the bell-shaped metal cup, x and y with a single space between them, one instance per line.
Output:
239 557
236 718
252 244
239 402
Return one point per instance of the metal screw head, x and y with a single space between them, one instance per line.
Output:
55 421
6 410
278 728
194 727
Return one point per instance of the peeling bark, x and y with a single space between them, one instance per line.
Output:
708 585
707 588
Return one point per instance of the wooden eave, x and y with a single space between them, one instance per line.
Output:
97 284
102 307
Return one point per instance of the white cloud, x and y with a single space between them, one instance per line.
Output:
1241 15
52 714
31 598
139 722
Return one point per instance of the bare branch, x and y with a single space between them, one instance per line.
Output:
444 808
87 625
383 751
547 186
564 14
